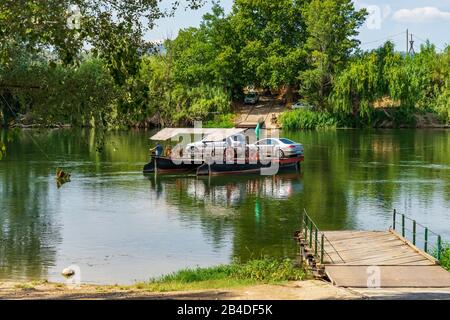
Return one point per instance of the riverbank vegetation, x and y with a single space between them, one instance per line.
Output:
445 258
261 271
288 49
235 275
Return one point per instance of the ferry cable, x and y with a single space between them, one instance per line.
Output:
29 135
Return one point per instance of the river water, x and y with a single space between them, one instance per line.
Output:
119 226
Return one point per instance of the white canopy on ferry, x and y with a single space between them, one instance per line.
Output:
208 134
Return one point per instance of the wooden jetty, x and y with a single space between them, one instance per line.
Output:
383 259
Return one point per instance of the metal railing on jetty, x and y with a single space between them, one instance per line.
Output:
418 234
317 243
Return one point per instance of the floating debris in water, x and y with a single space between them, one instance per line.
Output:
60 174
67 272
61 177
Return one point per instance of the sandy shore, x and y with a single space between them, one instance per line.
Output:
302 290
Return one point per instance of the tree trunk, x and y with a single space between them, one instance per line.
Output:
7 102
289 94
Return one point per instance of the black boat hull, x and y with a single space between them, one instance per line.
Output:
247 168
162 165
166 165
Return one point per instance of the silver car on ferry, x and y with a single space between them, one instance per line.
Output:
280 147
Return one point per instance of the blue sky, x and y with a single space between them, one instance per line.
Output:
425 19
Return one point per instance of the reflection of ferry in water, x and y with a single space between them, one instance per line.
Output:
225 151
230 191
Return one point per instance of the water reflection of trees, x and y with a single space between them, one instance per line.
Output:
28 230
343 170
236 205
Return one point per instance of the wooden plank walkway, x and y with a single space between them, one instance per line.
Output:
351 256
372 248
389 276
368 259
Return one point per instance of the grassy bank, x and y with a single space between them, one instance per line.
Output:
221 121
378 118
263 271
445 258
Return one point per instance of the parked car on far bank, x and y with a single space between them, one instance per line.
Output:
301 105
251 98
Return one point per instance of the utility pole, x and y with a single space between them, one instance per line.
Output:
407 41
411 49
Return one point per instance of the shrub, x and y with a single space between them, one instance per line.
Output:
445 258
264 270
307 119
221 121
269 270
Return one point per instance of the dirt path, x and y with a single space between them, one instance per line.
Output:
303 290
249 115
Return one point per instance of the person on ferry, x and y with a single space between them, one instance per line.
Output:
157 150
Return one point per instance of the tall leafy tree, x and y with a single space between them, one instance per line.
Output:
412 83
208 54
114 29
67 25
272 35
331 26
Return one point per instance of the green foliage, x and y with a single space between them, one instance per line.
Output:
208 54
307 119
445 258
271 38
51 94
56 24
2 150
269 270
176 102
264 270
307 45
376 118
332 26
411 83
221 121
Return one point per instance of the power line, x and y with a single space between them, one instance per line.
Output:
29 135
425 41
384 39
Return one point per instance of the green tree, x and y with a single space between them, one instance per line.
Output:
272 36
332 26
36 91
208 54
174 102
363 81
67 25
414 83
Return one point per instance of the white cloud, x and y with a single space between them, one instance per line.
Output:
421 14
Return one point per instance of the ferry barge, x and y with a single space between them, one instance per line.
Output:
285 154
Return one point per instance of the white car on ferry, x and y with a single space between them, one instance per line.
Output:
280 147
236 142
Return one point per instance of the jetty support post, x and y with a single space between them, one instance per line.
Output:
414 232
393 222
403 225
315 244
425 244
305 226
322 249
439 247
310 233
